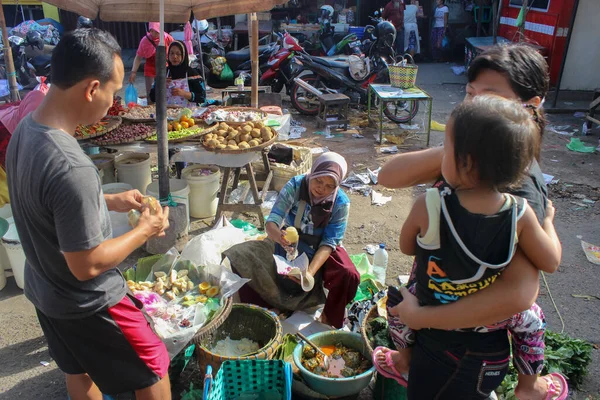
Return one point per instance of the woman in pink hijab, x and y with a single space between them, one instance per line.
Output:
10 116
147 50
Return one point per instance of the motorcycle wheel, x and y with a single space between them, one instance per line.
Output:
303 100
401 111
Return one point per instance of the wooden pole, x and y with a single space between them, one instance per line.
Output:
254 55
8 60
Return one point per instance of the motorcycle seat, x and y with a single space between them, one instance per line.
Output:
332 62
244 54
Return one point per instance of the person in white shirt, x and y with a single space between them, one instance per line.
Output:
439 29
411 30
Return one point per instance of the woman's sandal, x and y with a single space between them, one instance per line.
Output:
553 391
397 376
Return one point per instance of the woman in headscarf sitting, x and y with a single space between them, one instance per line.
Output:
184 83
318 209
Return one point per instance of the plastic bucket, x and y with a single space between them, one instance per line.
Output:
180 193
15 253
203 189
118 221
5 212
106 164
134 169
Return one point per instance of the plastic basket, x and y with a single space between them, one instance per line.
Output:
244 377
404 77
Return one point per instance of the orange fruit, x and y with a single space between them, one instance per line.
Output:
185 125
191 122
183 119
170 127
177 126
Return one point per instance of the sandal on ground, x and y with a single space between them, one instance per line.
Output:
553 391
397 376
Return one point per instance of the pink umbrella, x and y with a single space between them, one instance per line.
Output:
188 33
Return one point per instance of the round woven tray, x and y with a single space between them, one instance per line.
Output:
240 151
244 321
147 120
363 327
237 124
113 123
101 142
201 132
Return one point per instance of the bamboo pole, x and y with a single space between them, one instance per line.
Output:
11 75
254 55
161 110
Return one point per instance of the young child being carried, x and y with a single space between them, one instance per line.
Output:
463 235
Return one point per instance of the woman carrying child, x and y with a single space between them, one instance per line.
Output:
520 73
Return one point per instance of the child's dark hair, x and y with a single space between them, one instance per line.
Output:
525 68
496 137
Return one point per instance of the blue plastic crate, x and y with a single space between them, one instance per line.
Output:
269 379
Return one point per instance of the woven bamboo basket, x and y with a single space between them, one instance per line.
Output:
404 77
364 326
215 323
244 321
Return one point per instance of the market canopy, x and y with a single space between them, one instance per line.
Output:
176 11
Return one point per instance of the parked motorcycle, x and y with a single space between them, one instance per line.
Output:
25 72
281 69
239 61
334 76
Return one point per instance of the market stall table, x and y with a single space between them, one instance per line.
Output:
229 162
387 93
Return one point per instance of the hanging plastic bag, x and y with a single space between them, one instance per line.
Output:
226 74
131 94
42 85
445 43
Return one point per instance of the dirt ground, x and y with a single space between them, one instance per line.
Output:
23 348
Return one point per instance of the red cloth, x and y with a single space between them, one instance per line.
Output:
340 277
394 15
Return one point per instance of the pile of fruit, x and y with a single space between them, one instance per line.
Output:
246 136
182 122
117 108
125 134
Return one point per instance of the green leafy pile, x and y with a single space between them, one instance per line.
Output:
571 357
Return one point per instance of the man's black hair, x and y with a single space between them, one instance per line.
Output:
83 54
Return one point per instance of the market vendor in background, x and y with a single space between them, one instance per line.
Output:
184 83
319 210
394 12
147 50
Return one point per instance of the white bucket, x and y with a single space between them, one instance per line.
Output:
15 253
134 169
118 221
106 166
203 190
180 192
6 213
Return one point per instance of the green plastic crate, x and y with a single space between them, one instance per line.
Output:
269 379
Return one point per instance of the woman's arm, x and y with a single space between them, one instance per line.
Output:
197 92
409 169
137 61
513 292
540 243
446 20
319 259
